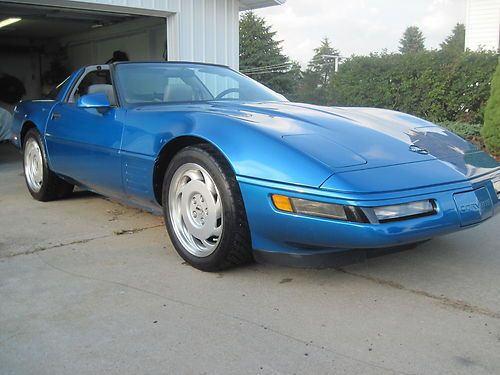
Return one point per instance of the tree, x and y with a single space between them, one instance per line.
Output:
412 40
456 41
261 56
318 74
322 62
491 128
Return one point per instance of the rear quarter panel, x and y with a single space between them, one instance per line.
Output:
35 112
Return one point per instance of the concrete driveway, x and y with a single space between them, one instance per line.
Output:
88 286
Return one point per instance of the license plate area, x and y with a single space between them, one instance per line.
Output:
474 206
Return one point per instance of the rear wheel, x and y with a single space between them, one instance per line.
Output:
43 184
204 211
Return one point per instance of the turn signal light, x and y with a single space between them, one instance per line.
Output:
282 203
309 208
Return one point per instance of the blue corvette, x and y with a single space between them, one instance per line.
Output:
239 172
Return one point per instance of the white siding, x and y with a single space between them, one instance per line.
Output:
482 28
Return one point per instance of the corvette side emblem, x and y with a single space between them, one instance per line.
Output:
418 150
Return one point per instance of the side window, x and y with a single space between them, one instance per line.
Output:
95 77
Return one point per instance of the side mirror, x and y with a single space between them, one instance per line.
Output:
96 100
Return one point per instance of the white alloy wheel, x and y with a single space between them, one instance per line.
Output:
196 211
33 165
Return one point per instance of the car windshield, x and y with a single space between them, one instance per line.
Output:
170 83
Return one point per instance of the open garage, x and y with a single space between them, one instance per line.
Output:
47 43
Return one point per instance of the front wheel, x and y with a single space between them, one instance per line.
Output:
203 210
43 184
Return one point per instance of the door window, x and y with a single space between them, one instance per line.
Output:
94 77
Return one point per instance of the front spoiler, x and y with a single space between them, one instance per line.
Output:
322 260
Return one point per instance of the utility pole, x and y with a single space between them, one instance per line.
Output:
337 59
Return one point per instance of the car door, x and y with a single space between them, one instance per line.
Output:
84 143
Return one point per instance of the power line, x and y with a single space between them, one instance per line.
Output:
267 71
266 67
278 68
330 57
282 69
270 66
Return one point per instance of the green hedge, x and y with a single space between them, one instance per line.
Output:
435 85
491 129
471 132
464 130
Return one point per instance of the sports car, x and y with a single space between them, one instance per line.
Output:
239 172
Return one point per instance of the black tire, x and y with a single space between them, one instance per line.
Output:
234 245
52 187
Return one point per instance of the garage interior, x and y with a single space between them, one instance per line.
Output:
47 43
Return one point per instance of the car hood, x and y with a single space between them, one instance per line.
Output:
348 139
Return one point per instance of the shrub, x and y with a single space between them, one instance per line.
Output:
491 128
435 85
464 130
471 132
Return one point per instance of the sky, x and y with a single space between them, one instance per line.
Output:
359 26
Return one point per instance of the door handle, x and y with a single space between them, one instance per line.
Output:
55 116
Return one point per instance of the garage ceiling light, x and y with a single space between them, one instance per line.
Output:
9 21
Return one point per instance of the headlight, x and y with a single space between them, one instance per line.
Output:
350 213
310 208
321 209
399 211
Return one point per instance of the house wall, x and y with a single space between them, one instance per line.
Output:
482 28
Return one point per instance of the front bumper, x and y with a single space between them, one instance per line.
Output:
280 232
